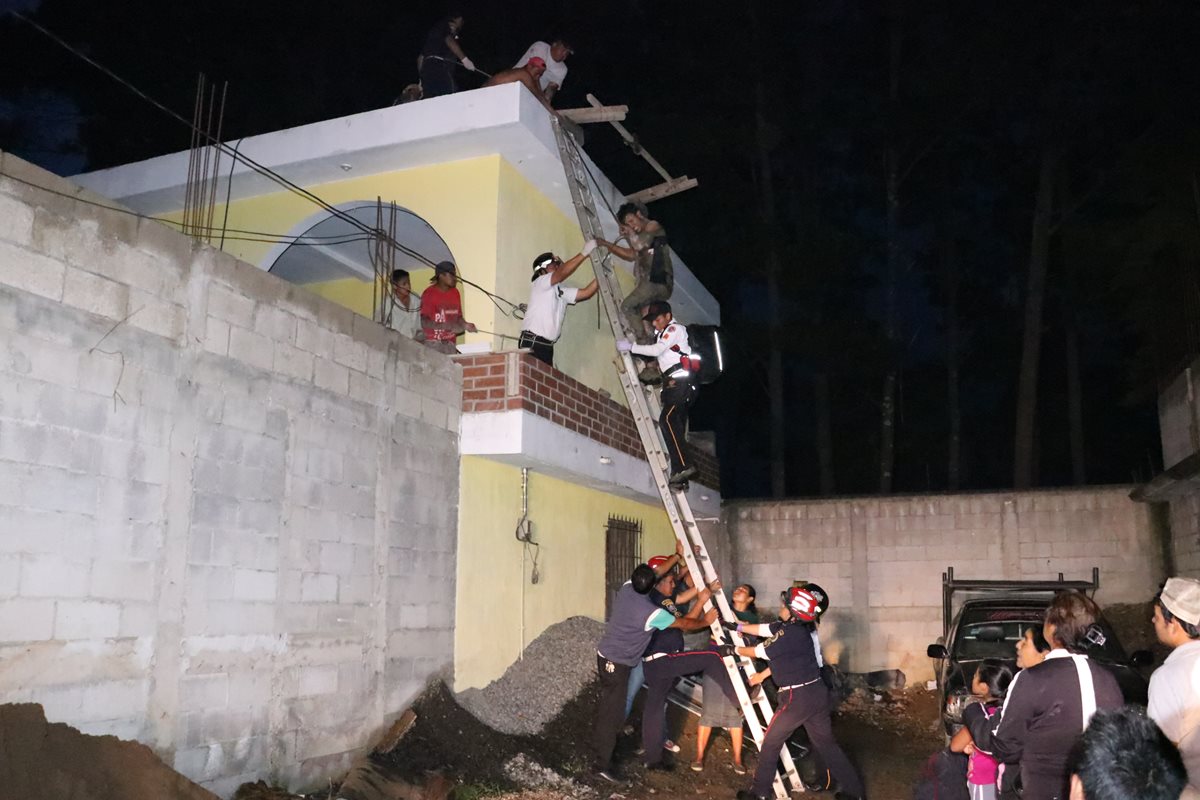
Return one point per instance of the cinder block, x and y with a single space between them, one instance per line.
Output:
319 588
315 339
331 376
36 358
253 349
24 620
216 336
253 584
230 306
123 580
113 699
16 221
349 352
365 388
336 558
53 576
293 362
95 294
138 619
318 680
203 692
86 619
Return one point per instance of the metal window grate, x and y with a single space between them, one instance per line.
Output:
622 553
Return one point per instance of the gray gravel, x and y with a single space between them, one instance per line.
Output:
556 666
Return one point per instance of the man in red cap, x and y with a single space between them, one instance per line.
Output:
528 77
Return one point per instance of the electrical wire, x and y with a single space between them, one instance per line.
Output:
259 168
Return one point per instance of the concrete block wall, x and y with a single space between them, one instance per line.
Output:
882 559
227 507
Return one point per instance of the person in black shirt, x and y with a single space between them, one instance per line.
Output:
803 697
441 55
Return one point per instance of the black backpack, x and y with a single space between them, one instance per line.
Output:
705 342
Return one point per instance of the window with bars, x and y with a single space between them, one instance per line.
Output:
623 552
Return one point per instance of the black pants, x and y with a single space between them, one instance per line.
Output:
543 349
437 77
807 706
610 713
677 397
660 677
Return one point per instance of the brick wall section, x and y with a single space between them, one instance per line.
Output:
881 559
228 507
540 389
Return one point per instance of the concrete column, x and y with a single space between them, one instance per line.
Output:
1010 540
860 605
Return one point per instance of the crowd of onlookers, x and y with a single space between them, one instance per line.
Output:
1058 726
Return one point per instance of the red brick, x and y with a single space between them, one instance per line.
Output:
489 405
470 395
514 403
474 372
481 383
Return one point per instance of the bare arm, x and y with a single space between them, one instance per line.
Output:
587 291
567 269
687 625
529 83
961 740
452 43
617 250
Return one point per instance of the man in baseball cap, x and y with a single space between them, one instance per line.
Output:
528 76
1175 686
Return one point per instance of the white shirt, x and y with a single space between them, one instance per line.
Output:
556 71
405 321
1175 704
547 307
671 345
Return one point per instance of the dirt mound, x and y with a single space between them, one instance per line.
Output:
43 759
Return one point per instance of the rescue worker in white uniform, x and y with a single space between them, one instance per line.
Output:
681 373
548 301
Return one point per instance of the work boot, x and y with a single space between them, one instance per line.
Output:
746 794
607 774
683 476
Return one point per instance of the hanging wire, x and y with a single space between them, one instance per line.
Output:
367 231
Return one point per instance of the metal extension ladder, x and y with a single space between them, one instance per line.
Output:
644 405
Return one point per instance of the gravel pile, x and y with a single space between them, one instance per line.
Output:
529 774
556 666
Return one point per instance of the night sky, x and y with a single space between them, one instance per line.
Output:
792 117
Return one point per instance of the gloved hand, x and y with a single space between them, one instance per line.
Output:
727 650
588 247
468 63
624 345
729 625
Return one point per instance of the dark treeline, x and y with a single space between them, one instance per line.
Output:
955 243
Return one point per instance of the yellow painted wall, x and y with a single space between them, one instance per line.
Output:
493 220
459 199
493 588
529 224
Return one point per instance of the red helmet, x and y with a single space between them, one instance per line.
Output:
802 603
657 561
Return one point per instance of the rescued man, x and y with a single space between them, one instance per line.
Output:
652 268
528 77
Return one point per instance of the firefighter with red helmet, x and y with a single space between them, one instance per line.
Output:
803 699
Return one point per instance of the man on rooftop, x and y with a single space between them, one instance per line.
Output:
528 76
554 56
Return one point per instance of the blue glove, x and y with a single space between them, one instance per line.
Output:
624 345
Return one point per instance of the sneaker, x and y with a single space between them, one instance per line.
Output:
697 766
682 476
660 766
627 730
670 746
738 769
744 794
607 774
